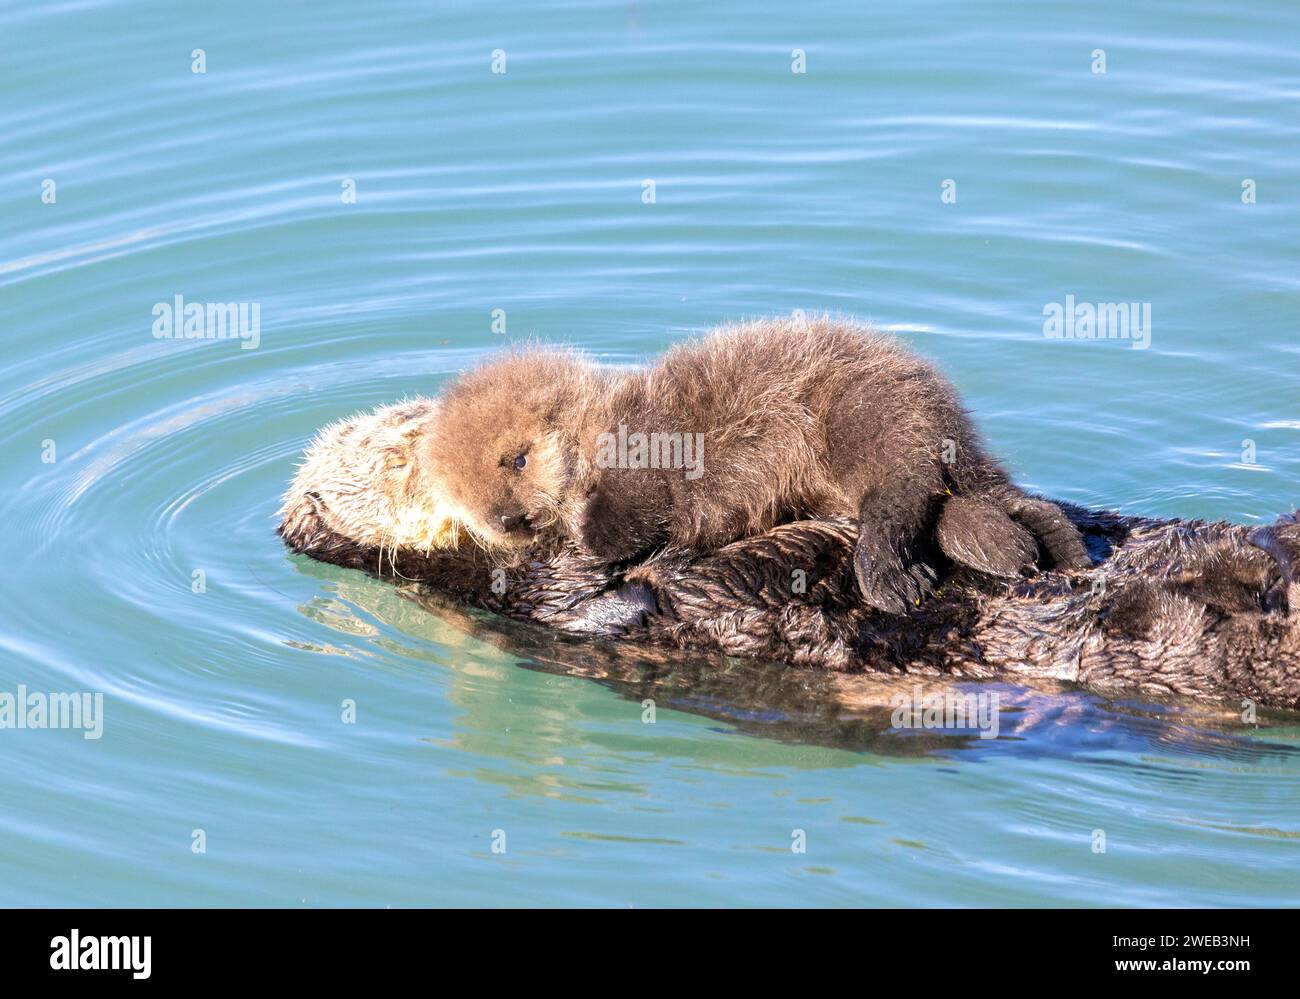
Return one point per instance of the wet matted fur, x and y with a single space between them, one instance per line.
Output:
1205 610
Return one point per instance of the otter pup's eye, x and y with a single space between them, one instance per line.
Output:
521 461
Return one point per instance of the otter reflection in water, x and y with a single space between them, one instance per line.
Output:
839 712
1172 608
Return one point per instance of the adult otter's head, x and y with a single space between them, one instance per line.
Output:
504 445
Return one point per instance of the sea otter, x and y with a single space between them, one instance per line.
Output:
1202 610
727 437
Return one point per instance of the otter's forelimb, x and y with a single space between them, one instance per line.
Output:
893 560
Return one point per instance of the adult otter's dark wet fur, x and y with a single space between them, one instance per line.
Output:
794 420
1173 607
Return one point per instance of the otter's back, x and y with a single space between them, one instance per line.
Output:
764 396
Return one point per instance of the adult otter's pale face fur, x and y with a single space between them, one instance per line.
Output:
361 479
505 448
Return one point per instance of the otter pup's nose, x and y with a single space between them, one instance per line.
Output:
512 522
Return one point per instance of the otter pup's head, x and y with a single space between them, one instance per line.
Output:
504 445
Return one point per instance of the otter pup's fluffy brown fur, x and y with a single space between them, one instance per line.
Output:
772 422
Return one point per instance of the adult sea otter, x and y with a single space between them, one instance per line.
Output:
1171 607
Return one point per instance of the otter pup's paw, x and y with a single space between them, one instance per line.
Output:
1282 542
1058 535
619 520
602 531
891 580
976 531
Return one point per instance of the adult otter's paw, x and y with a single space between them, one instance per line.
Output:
976 531
615 614
893 579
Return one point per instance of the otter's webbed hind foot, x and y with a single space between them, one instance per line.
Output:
976 531
1060 538
1000 533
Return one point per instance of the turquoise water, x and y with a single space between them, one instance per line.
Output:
130 462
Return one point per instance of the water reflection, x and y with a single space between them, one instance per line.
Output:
833 711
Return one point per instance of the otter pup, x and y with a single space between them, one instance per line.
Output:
757 425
